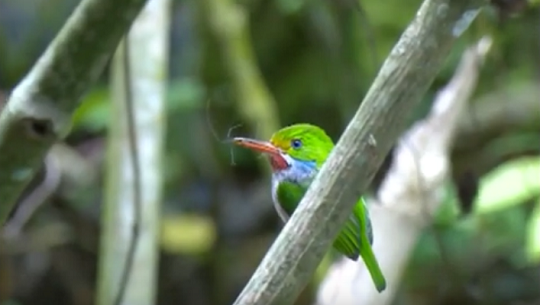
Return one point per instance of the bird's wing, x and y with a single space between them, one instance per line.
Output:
350 238
356 228
356 238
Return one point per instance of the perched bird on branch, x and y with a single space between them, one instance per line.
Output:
296 153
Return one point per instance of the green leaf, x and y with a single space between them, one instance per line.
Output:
509 184
532 246
189 234
93 114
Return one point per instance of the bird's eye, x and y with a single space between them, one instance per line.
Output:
296 143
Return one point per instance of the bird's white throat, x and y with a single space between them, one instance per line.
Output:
299 172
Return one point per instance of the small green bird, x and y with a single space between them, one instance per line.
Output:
296 153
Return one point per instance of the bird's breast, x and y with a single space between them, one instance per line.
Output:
277 205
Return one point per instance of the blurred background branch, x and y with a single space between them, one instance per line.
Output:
228 22
129 260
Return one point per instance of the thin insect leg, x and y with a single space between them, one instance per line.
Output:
233 128
233 163
209 122
215 134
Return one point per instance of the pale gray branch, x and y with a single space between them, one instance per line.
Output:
134 190
410 193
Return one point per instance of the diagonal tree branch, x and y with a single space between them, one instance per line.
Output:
39 110
404 78
412 187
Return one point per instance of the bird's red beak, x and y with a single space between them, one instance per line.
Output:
277 160
256 145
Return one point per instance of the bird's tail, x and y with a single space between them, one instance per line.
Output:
373 266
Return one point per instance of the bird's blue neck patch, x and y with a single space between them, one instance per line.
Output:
298 171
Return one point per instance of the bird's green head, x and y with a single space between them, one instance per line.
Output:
295 145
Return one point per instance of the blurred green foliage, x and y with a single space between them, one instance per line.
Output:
498 238
317 59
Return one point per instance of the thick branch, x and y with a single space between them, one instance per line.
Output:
404 78
410 193
39 110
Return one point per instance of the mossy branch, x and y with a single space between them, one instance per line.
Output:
402 81
38 112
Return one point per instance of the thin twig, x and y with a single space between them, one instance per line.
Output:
134 152
36 198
